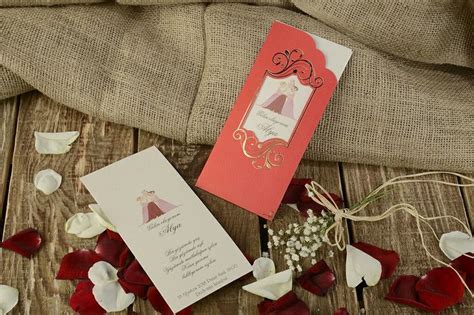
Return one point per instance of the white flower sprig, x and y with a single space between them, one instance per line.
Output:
301 241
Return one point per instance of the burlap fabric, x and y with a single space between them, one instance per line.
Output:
406 98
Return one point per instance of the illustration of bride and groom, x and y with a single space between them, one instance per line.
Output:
153 206
282 101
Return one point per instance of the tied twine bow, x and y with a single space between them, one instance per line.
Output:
352 213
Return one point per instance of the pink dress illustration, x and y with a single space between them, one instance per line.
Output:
152 206
282 101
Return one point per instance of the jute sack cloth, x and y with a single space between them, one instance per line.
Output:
176 70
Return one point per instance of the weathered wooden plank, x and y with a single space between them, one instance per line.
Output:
399 232
241 225
8 116
100 144
326 174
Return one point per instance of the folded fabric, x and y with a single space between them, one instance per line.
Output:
404 100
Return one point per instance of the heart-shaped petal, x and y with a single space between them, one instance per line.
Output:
465 265
403 291
440 288
272 287
263 267
102 273
137 289
111 296
47 181
76 265
25 243
84 225
360 265
318 279
456 243
341 311
8 298
388 258
83 301
288 304
135 274
160 305
54 142
112 249
102 217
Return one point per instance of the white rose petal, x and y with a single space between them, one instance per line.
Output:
360 265
54 142
455 244
272 287
102 273
8 298
84 225
103 219
263 267
111 296
47 181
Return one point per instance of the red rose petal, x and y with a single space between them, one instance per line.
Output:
82 300
403 291
25 243
342 311
160 304
465 265
318 279
135 274
389 259
440 288
76 265
112 249
295 190
288 304
137 289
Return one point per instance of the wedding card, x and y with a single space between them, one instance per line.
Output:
180 245
273 119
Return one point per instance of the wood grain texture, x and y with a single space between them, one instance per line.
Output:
399 232
99 144
241 225
8 116
327 174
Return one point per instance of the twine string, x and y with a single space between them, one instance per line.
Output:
323 198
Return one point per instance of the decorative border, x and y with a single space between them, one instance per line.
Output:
265 154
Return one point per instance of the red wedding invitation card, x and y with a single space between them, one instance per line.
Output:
273 119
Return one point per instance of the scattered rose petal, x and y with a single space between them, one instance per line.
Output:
102 217
54 142
160 305
84 225
456 243
263 267
295 190
403 291
135 274
83 301
272 287
342 311
137 289
47 181
76 265
318 279
440 288
112 249
8 298
25 243
465 265
112 297
388 258
102 273
114 236
360 265
288 304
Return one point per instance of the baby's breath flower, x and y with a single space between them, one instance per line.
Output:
298 267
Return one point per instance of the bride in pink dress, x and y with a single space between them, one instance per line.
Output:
282 101
152 206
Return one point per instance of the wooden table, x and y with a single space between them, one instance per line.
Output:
102 143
